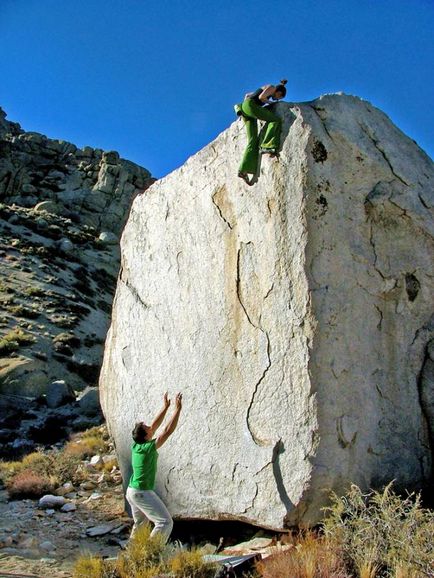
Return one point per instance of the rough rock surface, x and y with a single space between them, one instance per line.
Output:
61 212
295 316
93 185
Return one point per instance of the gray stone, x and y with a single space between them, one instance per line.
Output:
49 502
13 220
108 238
67 488
24 376
66 245
68 508
59 393
294 314
47 546
95 460
88 402
100 530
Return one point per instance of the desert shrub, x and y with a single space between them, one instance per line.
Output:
38 462
68 339
66 467
29 484
66 322
381 532
13 340
89 443
35 292
89 566
63 465
22 311
190 564
142 552
310 556
8 470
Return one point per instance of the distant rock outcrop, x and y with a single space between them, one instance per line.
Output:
61 213
91 185
295 315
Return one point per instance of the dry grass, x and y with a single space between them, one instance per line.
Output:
89 443
382 531
13 340
28 484
311 556
374 535
88 565
8 470
143 552
63 466
148 556
190 564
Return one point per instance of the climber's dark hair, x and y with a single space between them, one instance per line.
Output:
281 87
139 433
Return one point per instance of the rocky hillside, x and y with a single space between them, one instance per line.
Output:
295 315
62 210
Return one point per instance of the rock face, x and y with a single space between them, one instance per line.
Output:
295 316
89 184
61 213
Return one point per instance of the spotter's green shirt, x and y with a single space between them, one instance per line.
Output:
144 461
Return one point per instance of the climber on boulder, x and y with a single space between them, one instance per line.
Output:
145 503
253 108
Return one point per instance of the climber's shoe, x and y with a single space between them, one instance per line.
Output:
238 110
268 152
245 177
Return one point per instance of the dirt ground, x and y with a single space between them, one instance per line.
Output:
24 527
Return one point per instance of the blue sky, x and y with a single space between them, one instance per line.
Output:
156 80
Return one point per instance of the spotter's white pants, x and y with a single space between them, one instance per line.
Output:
146 505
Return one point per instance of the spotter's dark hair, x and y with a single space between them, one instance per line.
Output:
139 433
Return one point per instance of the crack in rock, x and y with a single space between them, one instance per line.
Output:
383 154
218 201
315 109
240 300
134 292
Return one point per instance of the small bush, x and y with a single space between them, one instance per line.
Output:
38 462
109 465
143 552
66 467
26 312
190 564
147 557
310 556
35 292
68 339
13 340
86 445
381 531
89 566
8 470
29 484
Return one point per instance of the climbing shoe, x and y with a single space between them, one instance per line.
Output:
245 177
238 110
268 151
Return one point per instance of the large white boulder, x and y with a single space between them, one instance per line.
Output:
294 315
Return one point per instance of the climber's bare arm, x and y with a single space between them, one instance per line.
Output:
157 421
173 422
267 92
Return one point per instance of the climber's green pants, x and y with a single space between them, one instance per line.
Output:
251 112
